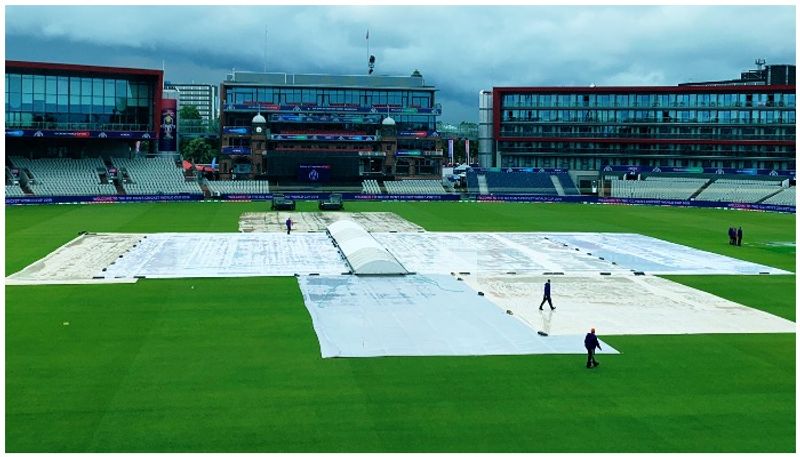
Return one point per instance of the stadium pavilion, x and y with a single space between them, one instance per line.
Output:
73 111
747 123
308 128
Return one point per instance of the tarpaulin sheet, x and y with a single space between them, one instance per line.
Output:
419 316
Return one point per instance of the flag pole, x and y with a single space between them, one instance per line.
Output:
368 47
265 48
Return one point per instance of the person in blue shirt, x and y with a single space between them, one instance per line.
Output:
591 344
546 297
289 226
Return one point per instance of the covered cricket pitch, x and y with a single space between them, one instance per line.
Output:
232 364
471 294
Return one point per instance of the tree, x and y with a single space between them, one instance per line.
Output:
198 150
189 112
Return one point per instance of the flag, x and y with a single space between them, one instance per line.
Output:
368 34
450 150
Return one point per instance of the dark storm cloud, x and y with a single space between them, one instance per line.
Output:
459 49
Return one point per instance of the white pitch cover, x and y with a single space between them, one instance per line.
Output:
415 315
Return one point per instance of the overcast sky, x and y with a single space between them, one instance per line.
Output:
459 49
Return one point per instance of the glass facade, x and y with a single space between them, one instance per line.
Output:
333 124
328 97
584 131
55 102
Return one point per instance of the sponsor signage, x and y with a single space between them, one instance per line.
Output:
326 118
78 134
236 150
101 199
418 134
534 170
314 173
168 140
450 150
352 196
374 109
320 137
402 197
409 152
717 171
236 130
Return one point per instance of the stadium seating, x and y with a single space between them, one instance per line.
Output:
155 176
65 177
370 186
529 183
472 182
657 187
738 190
568 184
13 190
415 187
784 197
238 187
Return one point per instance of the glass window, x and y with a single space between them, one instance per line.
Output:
86 87
108 87
394 98
97 87
74 87
86 104
15 100
15 83
261 96
121 87
744 117
50 103
38 84
27 84
63 85
27 101
63 104
49 85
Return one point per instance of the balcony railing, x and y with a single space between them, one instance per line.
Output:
107 127
651 135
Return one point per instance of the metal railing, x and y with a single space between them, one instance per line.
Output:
79 126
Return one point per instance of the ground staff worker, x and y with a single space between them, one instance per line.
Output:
591 344
547 296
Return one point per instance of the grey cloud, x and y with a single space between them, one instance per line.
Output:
460 49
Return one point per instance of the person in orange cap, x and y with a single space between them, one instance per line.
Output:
591 344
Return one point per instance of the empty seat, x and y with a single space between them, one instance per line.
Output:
657 187
238 187
739 190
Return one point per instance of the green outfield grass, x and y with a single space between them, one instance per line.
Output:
234 364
